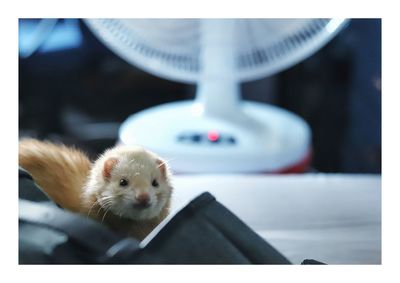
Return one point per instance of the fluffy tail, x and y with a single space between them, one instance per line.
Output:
59 170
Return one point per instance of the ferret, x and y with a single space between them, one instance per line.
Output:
128 187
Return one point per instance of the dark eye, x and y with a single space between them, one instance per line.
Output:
154 183
123 182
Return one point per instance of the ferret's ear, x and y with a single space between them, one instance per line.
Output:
162 166
108 166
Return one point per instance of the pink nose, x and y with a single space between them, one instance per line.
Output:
143 199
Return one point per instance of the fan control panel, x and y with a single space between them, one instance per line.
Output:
210 137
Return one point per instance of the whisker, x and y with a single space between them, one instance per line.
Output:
100 208
105 213
106 198
96 202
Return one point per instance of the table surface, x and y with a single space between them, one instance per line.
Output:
333 218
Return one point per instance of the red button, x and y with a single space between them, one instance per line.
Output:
213 136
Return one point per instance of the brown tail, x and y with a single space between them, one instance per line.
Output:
59 170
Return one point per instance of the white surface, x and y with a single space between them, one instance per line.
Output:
332 218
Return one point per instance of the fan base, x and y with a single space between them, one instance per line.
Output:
257 138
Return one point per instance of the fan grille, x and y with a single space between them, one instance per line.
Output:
171 48
266 55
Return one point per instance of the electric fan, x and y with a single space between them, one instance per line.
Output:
217 132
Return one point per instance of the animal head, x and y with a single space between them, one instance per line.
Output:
131 182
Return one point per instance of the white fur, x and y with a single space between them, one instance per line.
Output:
139 167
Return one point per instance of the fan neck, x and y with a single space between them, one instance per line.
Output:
218 85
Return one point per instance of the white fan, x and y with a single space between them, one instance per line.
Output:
217 132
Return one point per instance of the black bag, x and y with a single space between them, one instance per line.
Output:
203 232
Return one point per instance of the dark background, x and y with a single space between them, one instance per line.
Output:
80 93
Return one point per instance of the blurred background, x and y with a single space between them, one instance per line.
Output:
74 90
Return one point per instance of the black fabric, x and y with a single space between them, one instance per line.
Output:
311 261
28 189
82 231
203 232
